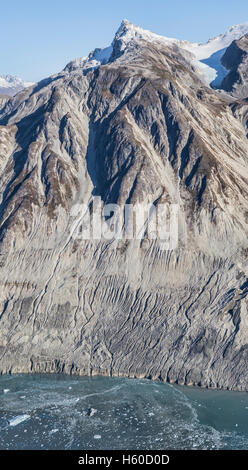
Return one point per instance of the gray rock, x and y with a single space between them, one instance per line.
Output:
235 59
3 99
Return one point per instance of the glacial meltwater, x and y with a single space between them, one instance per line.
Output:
60 412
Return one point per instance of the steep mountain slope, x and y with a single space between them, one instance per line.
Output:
235 60
142 127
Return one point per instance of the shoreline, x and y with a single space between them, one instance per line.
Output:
95 373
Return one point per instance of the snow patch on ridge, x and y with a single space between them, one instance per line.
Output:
95 59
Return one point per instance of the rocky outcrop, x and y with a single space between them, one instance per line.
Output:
142 127
235 60
3 100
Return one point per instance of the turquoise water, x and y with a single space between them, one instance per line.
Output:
59 412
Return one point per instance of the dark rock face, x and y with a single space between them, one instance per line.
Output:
143 127
235 59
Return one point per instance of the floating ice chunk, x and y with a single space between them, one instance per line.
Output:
91 411
6 390
97 436
53 431
18 419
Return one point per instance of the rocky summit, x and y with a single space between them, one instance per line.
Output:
142 120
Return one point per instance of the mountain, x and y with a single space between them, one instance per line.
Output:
206 57
10 85
133 124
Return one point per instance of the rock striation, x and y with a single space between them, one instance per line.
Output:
142 126
3 100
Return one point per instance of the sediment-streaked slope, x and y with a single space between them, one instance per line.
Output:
142 127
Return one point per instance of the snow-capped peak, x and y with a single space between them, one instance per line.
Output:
127 32
10 85
218 43
234 32
206 57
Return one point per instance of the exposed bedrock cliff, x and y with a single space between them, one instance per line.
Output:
140 128
235 60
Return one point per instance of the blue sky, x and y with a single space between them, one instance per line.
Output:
39 38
